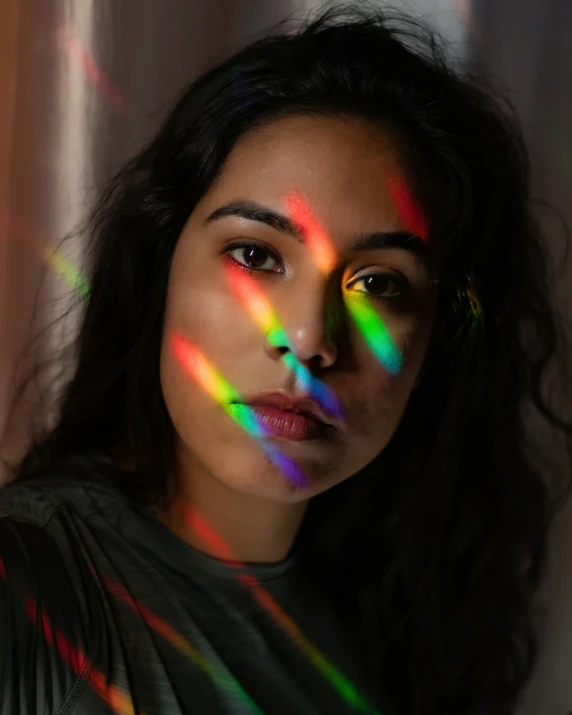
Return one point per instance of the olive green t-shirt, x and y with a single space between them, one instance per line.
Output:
104 610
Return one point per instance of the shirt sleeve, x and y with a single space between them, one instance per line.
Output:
41 661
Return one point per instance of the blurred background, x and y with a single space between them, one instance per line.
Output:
84 82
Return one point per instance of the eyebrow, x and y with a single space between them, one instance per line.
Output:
252 211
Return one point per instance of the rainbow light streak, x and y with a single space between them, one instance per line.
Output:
316 238
408 210
95 74
118 701
263 314
66 269
344 687
114 697
222 678
58 262
475 304
221 391
365 317
374 332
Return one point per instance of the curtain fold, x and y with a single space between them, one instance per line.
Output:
90 81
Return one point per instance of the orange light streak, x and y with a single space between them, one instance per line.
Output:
269 603
117 699
316 238
221 678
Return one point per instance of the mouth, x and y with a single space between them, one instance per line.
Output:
285 417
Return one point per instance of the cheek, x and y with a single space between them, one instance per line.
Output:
211 318
200 422
380 400
413 336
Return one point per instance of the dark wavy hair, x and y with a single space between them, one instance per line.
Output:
432 554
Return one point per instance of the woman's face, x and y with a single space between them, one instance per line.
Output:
341 173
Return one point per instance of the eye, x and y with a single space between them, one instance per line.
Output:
254 257
385 286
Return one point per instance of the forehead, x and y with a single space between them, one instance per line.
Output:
343 168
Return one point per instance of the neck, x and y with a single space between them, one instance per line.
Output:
231 526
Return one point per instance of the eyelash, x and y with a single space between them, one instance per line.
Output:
401 282
250 244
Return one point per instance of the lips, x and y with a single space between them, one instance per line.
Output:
293 419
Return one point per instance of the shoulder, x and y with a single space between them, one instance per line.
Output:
32 547
28 503
72 487
44 625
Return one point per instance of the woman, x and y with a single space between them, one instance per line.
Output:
292 471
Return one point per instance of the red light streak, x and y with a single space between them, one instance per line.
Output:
267 601
408 210
91 69
116 698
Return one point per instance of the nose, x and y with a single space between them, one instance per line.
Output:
309 329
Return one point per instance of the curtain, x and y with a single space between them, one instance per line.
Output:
85 83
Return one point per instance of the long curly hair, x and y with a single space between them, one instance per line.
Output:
432 554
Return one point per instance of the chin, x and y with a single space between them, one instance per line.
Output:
267 481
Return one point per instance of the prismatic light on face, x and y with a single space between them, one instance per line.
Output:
374 331
412 217
409 211
316 238
259 308
364 315
222 392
